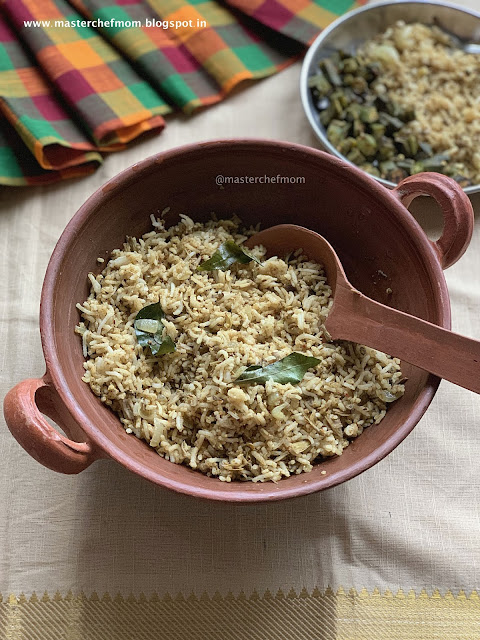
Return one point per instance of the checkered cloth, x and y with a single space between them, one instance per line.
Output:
71 91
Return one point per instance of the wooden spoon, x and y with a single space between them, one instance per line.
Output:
360 319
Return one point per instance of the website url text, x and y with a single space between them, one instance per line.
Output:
118 24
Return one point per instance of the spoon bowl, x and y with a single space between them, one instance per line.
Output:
283 239
460 43
357 318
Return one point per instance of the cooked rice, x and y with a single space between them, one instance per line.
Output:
423 71
186 404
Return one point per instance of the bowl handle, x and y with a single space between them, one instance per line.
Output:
29 427
458 218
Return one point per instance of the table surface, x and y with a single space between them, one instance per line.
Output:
411 522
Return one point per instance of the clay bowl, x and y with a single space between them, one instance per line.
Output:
380 244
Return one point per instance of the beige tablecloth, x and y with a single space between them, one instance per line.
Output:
410 523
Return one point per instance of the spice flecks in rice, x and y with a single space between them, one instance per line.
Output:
186 404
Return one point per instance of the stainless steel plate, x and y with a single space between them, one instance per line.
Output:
353 29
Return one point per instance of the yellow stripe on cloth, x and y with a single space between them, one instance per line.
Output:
317 15
322 615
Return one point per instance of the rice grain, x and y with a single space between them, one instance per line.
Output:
186 404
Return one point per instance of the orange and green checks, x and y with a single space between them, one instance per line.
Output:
79 78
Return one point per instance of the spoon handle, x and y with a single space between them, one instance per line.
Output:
356 318
472 48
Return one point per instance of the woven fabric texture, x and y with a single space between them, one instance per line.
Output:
317 615
411 522
72 91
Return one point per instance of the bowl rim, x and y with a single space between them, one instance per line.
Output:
317 44
229 492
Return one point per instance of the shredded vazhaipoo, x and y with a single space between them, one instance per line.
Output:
423 70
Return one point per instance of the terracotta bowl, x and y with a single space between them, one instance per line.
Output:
381 245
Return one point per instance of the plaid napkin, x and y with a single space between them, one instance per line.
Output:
81 78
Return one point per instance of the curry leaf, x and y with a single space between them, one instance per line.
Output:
290 369
149 330
227 254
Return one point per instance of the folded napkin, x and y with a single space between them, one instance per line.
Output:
82 78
